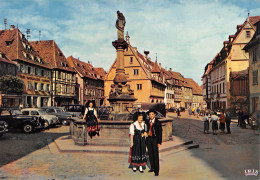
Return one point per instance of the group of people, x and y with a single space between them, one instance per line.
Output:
145 134
194 111
218 122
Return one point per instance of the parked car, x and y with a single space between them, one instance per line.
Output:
3 128
182 109
77 110
16 120
50 120
64 117
172 109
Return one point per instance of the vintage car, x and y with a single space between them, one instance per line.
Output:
16 120
64 117
3 128
172 109
77 110
49 120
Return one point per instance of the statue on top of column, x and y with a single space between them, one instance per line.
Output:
120 25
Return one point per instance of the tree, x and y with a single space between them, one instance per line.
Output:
11 85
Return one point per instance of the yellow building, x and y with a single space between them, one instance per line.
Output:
253 47
231 58
144 76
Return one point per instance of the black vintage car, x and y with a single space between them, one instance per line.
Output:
15 120
3 127
75 109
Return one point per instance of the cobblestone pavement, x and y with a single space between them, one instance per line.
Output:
35 156
191 127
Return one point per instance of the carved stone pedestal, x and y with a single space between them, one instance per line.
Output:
78 131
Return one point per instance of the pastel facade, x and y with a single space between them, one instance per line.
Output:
90 81
253 47
63 76
32 69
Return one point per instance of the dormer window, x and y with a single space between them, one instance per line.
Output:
32 57
83 67
78 65
25 55
24 45
248 34
8 43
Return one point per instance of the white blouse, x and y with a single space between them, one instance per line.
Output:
95 111
137 125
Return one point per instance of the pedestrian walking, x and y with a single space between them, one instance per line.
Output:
137 132
214 120
154 140
198 112
228 121
206 123
240 114
178 112
222 121
90 116
243 120
192 110
189 110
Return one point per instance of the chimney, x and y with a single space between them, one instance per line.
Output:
146 54
166 68
12 27
170 69
160 65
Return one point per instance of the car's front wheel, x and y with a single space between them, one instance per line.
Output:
46 124
65 122
28 128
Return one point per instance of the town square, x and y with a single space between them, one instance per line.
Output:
129 89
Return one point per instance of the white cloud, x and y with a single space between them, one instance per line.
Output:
185 34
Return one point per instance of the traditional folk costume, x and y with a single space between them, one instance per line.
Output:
214 119
137 154
154 131
206 124
92 123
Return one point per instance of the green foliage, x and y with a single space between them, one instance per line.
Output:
11 85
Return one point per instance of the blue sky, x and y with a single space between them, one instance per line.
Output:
185 34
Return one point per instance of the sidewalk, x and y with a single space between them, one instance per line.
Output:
66 144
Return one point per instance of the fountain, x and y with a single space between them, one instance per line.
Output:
115 130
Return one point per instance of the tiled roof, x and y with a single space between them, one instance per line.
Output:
254 19
156 68
100 71
52 54
176 75
16 47
3 58
196 89
86 69
6 61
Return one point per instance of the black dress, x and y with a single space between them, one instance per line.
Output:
138 151
92 123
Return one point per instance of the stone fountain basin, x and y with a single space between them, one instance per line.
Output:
116 133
